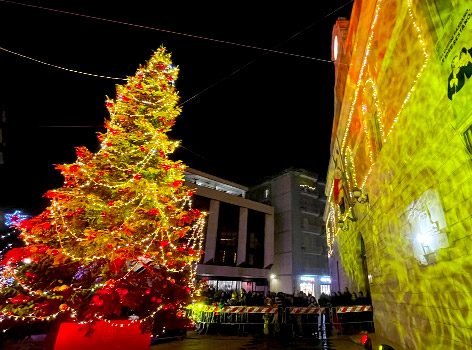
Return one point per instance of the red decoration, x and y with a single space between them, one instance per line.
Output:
138 86
109 104
114 335
164 243
111 203
124 98
177 183
138 176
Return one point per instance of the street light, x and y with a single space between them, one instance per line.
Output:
359 196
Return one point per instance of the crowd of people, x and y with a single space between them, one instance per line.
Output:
300 299
299 323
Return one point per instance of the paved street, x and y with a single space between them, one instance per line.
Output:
194 341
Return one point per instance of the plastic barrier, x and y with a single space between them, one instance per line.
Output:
354 308
342 318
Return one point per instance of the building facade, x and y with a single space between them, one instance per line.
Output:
300 253
239 234
399 185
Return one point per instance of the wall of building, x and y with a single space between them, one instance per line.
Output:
299 233
415 167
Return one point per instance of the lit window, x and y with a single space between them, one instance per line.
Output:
266 193
325 288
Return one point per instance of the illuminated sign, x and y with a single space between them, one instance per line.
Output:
15 218
325 279
310 279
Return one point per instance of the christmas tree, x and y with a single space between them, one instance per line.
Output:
120 239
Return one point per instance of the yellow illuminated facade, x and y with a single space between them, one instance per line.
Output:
401 153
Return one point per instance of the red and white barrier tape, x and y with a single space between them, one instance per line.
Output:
250 309
307 310
354 308
242 309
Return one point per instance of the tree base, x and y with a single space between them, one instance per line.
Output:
120 335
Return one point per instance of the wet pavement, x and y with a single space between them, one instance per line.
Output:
195 341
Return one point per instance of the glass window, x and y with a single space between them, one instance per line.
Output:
325 288
255 239
227 237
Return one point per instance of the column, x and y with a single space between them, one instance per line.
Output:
212 231
242 236
269 241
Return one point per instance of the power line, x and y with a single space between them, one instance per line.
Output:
170 31
252 61
58 67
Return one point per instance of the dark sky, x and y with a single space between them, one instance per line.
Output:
274 113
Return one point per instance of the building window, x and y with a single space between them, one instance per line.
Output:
227 238
266 193
325 288
255 239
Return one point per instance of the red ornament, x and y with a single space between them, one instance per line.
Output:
105 154
79 210
190 193
54 252
153 212
177 183
164 243
103 215
166 167
124 98
138 176
111 203
138 86
74 168
109 144
160 66
101 173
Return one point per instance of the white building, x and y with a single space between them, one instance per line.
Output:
300 250
239 234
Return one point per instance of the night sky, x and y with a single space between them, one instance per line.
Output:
262 112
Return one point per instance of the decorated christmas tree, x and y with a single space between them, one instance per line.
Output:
120 239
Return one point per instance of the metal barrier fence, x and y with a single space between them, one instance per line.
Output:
344 319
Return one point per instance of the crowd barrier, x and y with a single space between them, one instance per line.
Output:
340 318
